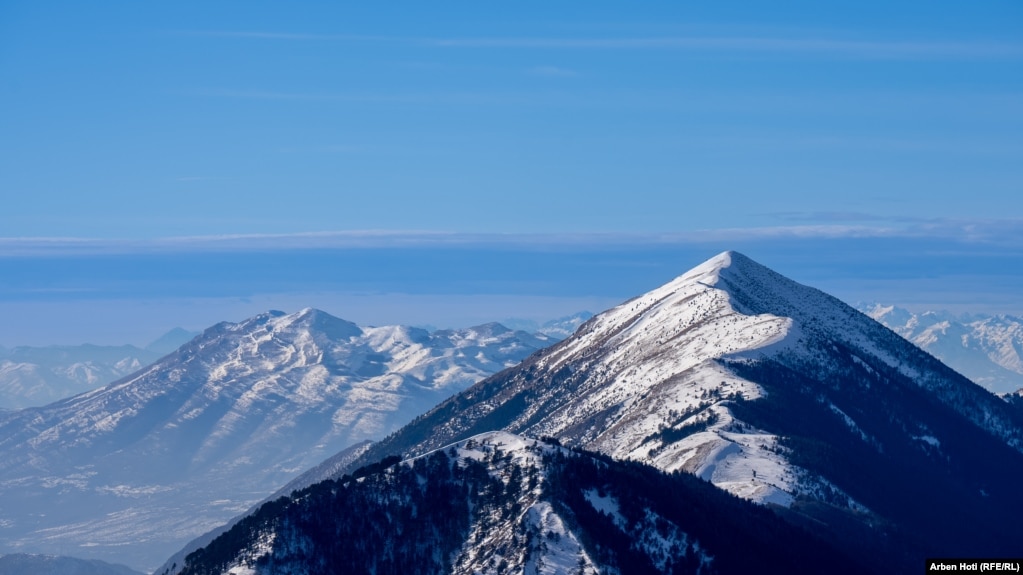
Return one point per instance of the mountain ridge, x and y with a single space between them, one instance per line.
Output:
704 375
32 376
25 564
501 503
196 438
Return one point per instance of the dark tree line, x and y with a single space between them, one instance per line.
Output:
739 536
385 518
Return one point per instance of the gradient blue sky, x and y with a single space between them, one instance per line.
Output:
853 133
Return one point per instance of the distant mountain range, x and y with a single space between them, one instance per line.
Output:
987 349
558 328
25 564
132 470
769 390
36 376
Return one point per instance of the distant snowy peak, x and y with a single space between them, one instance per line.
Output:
171 341
563 327
556 329
986 349
25 564
306 360
319 323
36 376
228 418
770 390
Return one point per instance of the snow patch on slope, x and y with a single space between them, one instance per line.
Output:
656 365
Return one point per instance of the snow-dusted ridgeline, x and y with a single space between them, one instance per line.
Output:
134 469
764 387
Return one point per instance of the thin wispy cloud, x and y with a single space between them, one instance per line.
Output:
783 141
286 96
874 49
413 98
832 216
297 36
1001 231
201 179
1005 231
553 72
880 49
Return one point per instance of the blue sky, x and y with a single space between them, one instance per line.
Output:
857 134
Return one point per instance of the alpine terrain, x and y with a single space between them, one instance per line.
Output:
986 349
772 391
35 376
24 564
501 503
131 471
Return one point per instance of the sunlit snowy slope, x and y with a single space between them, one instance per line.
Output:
131 471
773 391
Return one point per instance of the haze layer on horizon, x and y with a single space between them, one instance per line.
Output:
179 164
115 292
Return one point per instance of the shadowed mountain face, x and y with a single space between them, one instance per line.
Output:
500 503
777 393
131 471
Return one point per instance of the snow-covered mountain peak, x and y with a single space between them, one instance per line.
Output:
731 265
316 321
491 329
689 320
668 377
228 418
709 270
768 389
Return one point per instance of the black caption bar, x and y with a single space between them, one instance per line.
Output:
985 565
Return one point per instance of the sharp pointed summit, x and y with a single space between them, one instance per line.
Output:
773 391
